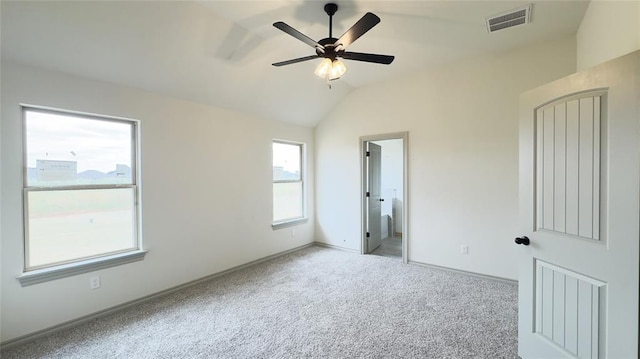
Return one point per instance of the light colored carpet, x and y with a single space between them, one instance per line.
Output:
314 303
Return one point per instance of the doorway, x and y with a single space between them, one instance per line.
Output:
384 195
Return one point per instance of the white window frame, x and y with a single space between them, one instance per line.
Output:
38 274
303 154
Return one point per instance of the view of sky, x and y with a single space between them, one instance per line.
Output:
286 156
95 144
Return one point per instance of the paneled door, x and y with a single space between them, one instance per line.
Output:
579 214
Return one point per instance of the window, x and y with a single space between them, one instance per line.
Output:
288 183
80 188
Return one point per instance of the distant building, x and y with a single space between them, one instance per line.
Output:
122 171
278 172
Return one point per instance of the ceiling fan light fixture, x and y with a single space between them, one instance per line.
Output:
330 69
337 69
324 68
330 48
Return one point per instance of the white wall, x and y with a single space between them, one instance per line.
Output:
463 156
206 195
608 30
391 181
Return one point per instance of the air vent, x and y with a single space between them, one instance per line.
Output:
509 19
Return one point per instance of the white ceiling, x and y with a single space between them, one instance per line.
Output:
220 52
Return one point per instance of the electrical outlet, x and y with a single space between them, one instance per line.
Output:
464 249
293 233
94 282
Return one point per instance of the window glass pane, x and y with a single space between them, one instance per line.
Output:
68 225
287 201
286 162
66 150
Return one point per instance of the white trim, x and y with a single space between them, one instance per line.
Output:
78 267
404 136
103 313
290 223
464 272
77 113
569 273
51 271
333 246
303 180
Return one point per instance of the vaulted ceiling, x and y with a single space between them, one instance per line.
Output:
220 52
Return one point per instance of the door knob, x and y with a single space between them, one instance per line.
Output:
523 240
381 199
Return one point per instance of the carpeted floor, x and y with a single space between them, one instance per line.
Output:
314 303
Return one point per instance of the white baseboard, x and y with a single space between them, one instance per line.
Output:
473 274
78 321
333 246
75 322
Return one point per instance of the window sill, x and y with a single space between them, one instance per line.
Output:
71 269
291 223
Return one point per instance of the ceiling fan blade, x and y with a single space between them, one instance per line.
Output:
297 34
359 56
366 23
293 61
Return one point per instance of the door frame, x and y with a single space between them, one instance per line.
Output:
404 136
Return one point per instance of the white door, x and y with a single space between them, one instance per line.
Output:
579 207
374 184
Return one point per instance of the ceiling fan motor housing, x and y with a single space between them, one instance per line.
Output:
331 8
329 48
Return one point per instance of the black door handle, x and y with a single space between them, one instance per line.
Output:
523 240
381 199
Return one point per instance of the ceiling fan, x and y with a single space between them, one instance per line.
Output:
332 49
